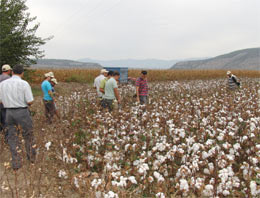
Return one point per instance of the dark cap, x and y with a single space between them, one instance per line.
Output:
144 72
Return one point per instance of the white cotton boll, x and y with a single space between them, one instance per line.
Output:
62 174
96 182
252 126
158 176
252 135
47 145
208 190
184 185
110 194
240 120
211 166
132 180
253 189
76 182
226 192
182 134
160 195
204 155
236 146
254 160
206 171
220 137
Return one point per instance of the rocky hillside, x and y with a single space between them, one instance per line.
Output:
242 59
68 64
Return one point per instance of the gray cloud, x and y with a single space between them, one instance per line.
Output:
165 29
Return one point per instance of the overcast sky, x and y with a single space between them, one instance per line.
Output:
140 29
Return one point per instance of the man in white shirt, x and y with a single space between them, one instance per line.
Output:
97 81
16 96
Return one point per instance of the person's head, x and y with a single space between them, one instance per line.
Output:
104 72
54 82
47 76
229 73
18 70
116 75
51 74
143 74
110 74
6 69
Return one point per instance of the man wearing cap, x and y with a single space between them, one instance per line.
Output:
16 96
6 72
232 82
142 88
97 81
48 98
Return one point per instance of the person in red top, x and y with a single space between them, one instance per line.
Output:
142 88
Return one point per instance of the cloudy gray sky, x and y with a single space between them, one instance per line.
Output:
140 29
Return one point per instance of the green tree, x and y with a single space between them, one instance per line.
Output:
18 42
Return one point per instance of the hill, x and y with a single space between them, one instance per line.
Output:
242 59
135 63
62 63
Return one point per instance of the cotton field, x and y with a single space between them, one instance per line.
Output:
193 139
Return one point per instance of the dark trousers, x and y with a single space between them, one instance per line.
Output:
106 103
143 99
3 113
19 120
49 110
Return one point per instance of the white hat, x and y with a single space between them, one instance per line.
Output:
228 72
47 75
51 74
103 71
6 68
54 80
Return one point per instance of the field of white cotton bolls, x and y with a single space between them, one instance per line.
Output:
194 139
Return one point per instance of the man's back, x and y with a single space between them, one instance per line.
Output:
15 92
109 89
97 82
46 87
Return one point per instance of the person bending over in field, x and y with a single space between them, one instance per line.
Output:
53 83
232 82
142 88
111 92
48 98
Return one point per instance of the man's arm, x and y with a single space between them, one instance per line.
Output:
117 95
137 94
30 103
102 90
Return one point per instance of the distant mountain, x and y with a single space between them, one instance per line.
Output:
62 63
134 63
241 59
